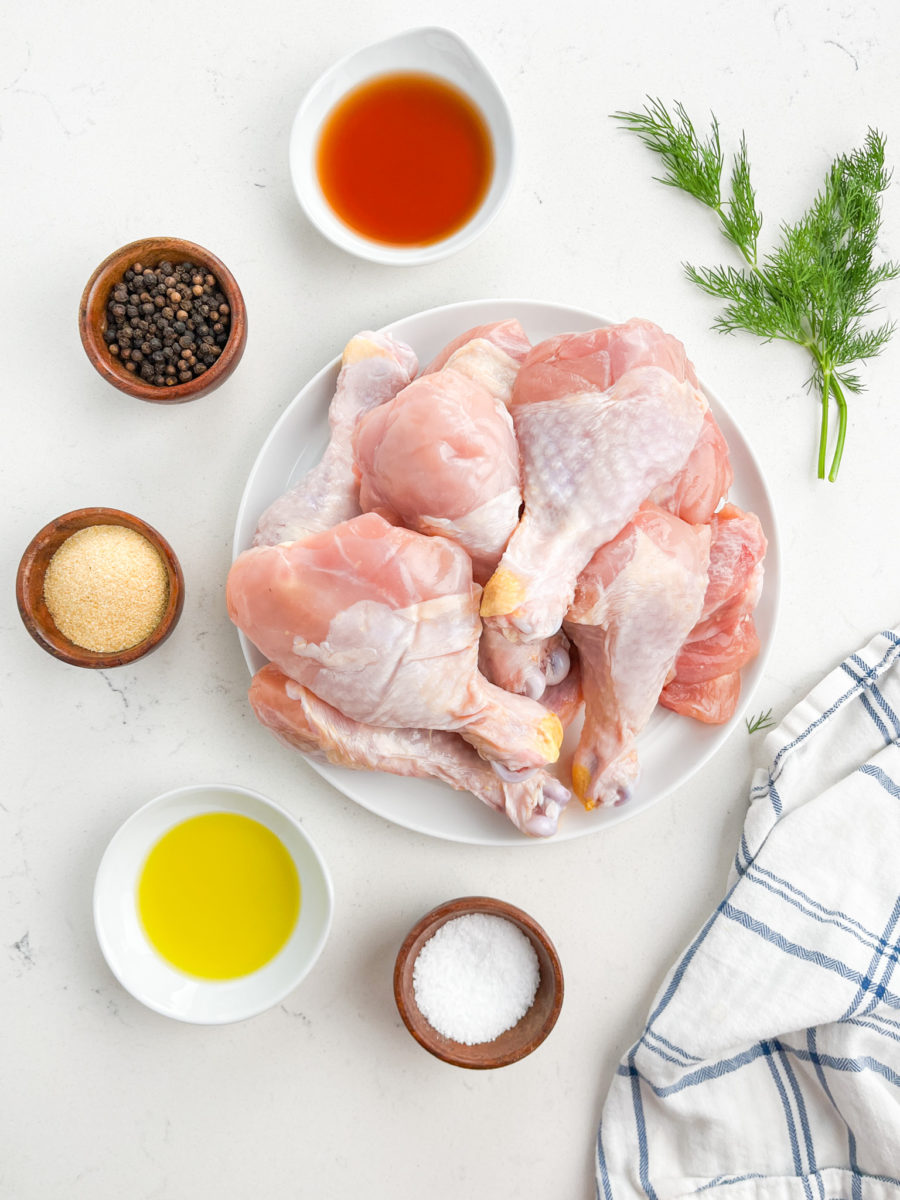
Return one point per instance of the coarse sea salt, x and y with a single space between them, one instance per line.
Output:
475 978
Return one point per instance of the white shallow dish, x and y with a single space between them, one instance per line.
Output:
672 747
137 964
432 51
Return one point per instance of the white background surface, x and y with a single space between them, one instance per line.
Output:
117 123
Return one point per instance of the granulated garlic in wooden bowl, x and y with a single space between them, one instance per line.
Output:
99 588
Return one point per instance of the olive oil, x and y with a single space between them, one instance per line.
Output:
219 895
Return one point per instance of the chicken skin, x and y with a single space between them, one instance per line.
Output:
382 623
374 368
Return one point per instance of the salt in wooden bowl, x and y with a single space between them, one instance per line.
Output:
30 588
93 320
514 1043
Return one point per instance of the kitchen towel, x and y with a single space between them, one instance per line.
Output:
770 1063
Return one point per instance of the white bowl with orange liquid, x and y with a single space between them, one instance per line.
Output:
211 904
403 152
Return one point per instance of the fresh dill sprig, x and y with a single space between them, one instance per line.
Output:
817 287
760 721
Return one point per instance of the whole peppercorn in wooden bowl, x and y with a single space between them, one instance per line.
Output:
163 319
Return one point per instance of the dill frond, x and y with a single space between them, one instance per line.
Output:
817 286
760 721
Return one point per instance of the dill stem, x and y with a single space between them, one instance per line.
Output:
823 425
842 430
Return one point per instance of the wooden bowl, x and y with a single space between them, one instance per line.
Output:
92 318
30 588
515 1043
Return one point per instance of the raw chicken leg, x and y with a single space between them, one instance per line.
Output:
382 623
441 458
635 603
590 459
373 369
300 719
706 682
598 358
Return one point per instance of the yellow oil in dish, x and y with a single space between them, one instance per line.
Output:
219 895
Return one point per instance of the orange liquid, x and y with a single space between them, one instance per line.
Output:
405 159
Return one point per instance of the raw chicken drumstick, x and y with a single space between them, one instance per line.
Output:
635 603
707 681
441 457
590 459
300 719
596 359
374 368
382 623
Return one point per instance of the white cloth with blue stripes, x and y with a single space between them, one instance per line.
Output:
770 1063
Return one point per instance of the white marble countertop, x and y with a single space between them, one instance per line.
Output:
119 123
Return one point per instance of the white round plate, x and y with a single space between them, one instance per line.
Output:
672 747
140 968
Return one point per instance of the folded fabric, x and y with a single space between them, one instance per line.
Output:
770 1062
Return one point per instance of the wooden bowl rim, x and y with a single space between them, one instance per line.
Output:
509 1048
92 318
35 614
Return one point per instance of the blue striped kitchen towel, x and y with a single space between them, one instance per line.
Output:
770 1062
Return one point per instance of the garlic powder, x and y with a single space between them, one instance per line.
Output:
106 588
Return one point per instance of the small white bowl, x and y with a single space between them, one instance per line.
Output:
144 972
432 51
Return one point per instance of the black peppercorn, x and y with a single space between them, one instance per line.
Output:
167 322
